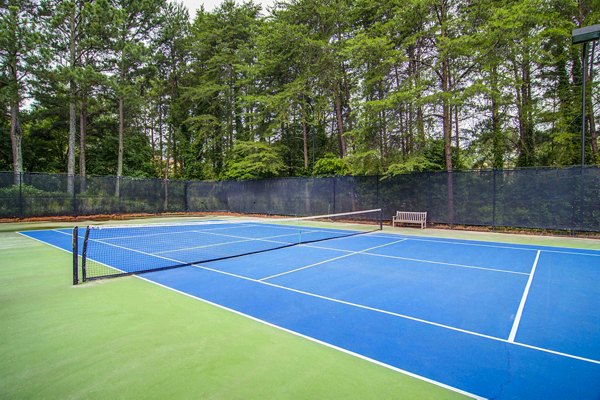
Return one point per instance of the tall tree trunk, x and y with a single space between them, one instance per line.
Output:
160 133
447 128
82 143
420 120
71 150
340 125
174 154
120 151
121 101
304 138
406 130
383 126
16 139
590 109
447 113
72 108
457 135
152 138
522 75
497 139
447 116
166 171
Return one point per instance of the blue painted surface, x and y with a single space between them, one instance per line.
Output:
480 301
561 314
512 259
274 262
563 307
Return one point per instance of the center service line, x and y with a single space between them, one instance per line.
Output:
331 259
515 327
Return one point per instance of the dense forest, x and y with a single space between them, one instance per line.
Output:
307 87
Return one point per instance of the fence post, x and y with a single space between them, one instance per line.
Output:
185 196
165 196
21 205
581 200
334 195
72 177
377 198
494 200
378 202
428 198
119 206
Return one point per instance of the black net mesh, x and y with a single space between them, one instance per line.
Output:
43 194
545 198
109 251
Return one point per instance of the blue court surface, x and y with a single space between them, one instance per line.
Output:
490 320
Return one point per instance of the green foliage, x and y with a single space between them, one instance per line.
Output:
27 191
386 86
416 163
365 163
331 165
253 160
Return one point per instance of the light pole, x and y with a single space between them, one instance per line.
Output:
584 35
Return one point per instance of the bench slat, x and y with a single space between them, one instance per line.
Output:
416 217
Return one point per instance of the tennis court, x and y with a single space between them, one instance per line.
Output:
491 320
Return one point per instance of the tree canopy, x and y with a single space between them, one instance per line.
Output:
307 87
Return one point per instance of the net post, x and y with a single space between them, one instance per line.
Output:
381 219
84 255
75 255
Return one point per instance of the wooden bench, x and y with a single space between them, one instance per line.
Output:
410 217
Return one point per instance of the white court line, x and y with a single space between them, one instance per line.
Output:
361 252
371 254
573 252
319 229
374 233
424 321
46 243
329 260
469 242
456 241
226 243
66 251
308 293
515 327
421 260
350 251
265 239
332 346
363 307
173 233
547 249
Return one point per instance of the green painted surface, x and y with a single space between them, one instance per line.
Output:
127 338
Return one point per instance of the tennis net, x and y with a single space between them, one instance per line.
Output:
111 251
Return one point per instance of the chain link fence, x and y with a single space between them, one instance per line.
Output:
541 198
